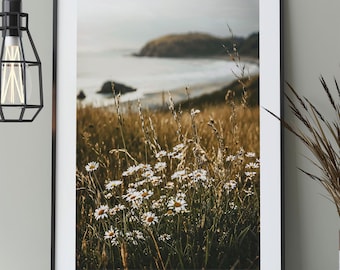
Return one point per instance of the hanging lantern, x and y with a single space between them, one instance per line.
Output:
21 96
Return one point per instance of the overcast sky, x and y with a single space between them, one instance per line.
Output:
107 24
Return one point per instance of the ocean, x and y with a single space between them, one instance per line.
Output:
149 74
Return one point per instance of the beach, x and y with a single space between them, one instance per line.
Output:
161 99
154 78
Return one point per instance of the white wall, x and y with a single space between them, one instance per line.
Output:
25 166
311 48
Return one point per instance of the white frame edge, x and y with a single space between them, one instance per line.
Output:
270 135
65 191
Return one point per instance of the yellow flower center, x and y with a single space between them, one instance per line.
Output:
149 219
177 204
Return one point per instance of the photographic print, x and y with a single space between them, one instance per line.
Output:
168 135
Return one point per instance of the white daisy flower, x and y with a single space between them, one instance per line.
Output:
120 207
161 154
169 213
180 195
132 196
132 216
178 205
139 183
112 184
114 242
250 154
170 185
134 236
250 174
111 233
178 147
131 190
178 156
101 212
146 194
92 166
249 192
252 165
130 171
156 204
230 158
164 237
155 180
171 154
230 185
138 234
148 174
199 175
159 166
178 174
145 167
149 218
116 208
108 196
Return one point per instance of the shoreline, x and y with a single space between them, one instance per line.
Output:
160 99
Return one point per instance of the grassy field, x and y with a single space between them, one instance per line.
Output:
175 189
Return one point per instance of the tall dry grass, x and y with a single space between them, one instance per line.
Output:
319 134
168 190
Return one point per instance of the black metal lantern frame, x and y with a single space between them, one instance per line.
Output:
21 91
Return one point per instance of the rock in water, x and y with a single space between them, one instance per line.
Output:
81 95
119 88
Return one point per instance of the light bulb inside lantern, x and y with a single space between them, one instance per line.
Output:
13 78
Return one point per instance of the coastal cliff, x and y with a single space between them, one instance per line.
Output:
199 45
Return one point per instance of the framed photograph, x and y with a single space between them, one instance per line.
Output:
166 156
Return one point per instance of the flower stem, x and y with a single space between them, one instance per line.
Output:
124 255
157 249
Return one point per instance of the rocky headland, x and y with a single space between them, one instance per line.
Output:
200 45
